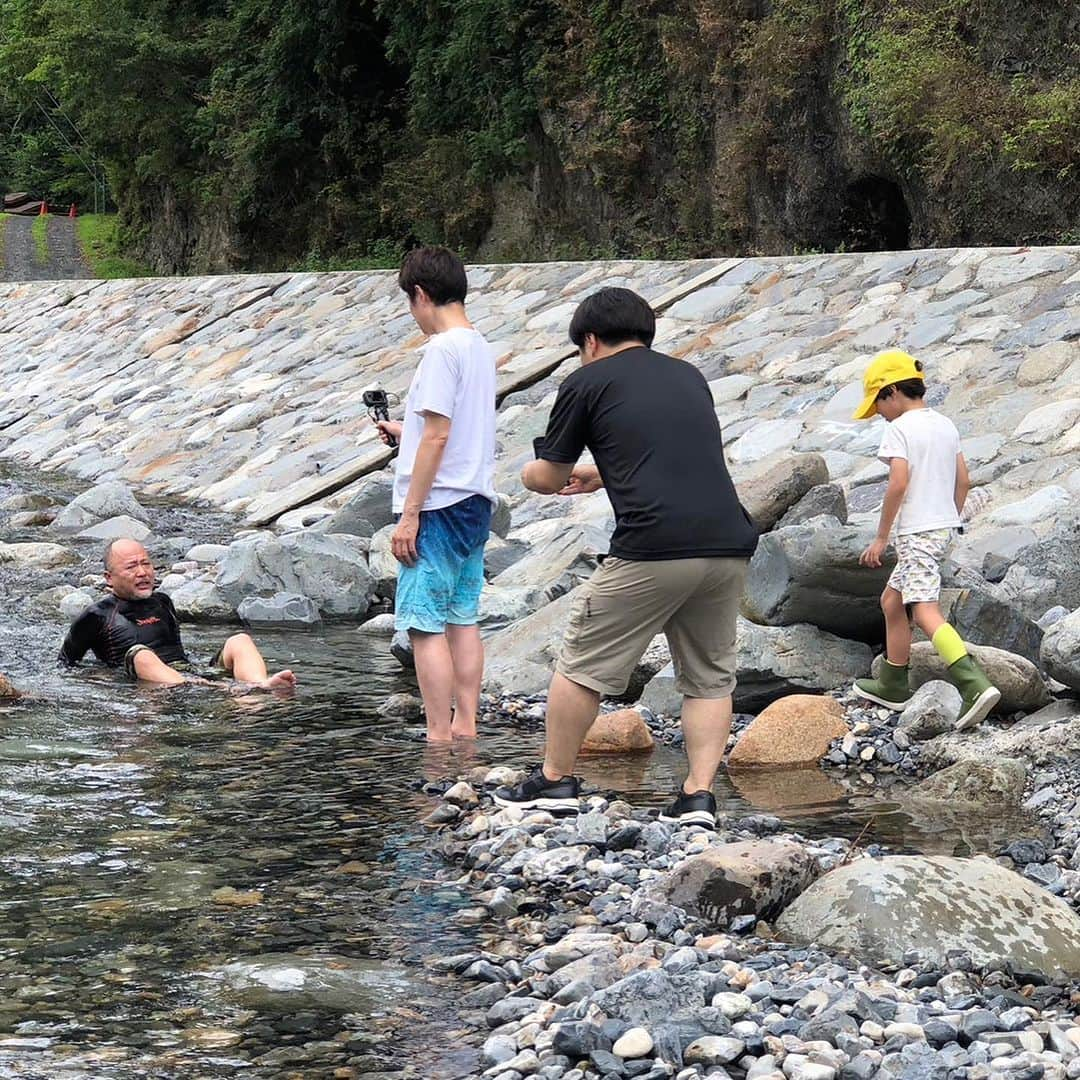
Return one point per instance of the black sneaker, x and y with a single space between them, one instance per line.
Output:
696 809
537 792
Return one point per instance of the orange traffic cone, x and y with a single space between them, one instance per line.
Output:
44 208
71 212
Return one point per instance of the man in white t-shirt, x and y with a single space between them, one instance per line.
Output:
444 493
928 484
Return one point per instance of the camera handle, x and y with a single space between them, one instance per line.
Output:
381 412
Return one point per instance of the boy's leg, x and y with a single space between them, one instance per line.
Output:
891 687
897 628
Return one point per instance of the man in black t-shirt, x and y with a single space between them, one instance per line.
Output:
679 553
136 628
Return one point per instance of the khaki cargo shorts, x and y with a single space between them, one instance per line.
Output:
624 605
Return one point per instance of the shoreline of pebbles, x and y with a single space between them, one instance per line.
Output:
592 975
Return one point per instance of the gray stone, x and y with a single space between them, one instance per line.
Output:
714 1050
984 619
519 657
933 709
769 495
1022 687
381 563
281 609
368 510
330 569
1060 653
825 500
32 556
116 528
933 905
110 499
207 553
756 877
811 574
991 785
200 600
649 998
382 625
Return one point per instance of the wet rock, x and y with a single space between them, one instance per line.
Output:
621 732
649 998
934 905
407 706
31 556
64 601
792 732
108 500
7 690
382 625
991 785
402 651
282 609
758 877
767 496
933 709
121 527
1060 652
1022 687
811 574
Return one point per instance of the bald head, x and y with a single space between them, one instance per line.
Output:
128 569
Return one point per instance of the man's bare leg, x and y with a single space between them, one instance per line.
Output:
467 656
706 724
242 660
571 711
149 667
435 674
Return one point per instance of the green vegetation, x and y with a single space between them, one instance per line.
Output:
99 239
39 230
262 134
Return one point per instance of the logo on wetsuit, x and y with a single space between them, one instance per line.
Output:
147 622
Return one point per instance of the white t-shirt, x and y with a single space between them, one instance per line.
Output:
456 379
929 442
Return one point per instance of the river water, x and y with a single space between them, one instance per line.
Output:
195 884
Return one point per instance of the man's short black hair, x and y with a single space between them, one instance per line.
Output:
614 316
436 270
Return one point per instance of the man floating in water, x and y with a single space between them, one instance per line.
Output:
137 629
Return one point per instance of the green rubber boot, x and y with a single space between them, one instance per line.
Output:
979 694
890 688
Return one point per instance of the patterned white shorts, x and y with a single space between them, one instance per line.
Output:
917 577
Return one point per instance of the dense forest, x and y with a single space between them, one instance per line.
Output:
265 133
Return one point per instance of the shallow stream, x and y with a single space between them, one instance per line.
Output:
176 864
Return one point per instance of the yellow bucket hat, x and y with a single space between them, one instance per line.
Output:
885 369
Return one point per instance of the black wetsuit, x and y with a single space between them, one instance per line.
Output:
112 627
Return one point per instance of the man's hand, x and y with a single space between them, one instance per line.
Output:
872 555
403 539
584 480
388 429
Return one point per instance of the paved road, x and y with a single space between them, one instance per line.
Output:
20 256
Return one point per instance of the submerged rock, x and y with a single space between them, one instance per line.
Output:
936 905
990 784
281 609
6 689
622 732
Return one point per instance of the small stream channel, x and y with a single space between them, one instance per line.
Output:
171 861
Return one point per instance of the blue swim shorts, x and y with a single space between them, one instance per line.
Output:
444 585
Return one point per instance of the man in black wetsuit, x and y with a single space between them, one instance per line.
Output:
137 629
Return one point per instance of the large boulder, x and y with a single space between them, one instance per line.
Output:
558 550
36 556
825 500
1055 558
367 510
811 574
621 732
990 785
935 905
793 732
282 609
768 495
985 619
1060 652
521 656
755 877
103 501
332 570
1022 687
121 527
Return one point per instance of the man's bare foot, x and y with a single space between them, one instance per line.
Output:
283 680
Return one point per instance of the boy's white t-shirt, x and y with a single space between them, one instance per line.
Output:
929 442
455 378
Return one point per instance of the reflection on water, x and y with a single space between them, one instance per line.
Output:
174 861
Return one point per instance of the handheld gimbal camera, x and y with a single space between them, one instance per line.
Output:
378 407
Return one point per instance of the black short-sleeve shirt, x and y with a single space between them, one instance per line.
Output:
651 426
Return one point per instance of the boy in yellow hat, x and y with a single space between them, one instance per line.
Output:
928 483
